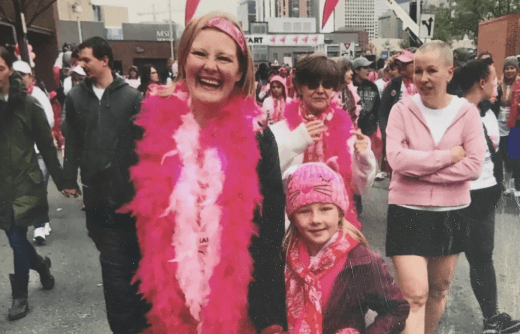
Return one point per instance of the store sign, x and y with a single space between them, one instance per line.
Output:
163 35
286 40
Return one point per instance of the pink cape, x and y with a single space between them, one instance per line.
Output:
232 135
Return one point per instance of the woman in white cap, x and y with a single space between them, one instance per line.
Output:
25 71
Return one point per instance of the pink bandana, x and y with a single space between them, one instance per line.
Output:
229 28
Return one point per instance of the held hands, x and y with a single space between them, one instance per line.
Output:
71 192
314 128
273 329
361 143
457 154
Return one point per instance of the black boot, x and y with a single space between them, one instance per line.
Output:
20 304
42 266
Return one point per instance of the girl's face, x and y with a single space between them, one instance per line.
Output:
432 74
348 76
276 89
212 67
394 72
316 96
316 224
510 72
133 74
406 70
154 75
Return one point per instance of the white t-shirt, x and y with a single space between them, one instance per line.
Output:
98 91
380 83
43 99
487 177
438 120
503 115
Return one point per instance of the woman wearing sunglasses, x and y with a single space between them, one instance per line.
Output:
316 128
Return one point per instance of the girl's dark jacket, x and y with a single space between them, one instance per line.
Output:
23 194
363 284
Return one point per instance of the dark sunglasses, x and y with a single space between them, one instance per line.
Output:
326 84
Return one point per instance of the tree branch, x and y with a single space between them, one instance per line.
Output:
5 17
40 11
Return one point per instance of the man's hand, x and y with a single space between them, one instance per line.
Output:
273 329
361 143
71 192
457 154
314 128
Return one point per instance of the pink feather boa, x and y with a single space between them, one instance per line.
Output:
339 127
232 135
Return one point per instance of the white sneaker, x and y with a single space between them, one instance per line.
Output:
39 235
380 176
48 229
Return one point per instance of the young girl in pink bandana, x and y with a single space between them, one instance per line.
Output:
274 105
332 278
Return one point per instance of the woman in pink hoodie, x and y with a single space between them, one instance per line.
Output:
435 146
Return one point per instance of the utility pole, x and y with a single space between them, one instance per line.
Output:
171 29
21 32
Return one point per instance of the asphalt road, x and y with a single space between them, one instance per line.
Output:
76 304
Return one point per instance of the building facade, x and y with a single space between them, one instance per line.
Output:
356 13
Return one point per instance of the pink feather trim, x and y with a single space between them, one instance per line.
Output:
231 134
336 138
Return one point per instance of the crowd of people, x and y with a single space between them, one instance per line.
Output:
227 198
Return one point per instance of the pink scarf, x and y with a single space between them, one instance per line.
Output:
411 89
316 152
303 289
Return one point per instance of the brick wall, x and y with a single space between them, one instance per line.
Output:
501 37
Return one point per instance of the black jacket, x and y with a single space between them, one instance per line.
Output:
100 141
267 291
391 96
369 100
23 194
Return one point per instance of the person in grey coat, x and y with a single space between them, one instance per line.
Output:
23 200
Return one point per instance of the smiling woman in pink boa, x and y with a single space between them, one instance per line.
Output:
209 198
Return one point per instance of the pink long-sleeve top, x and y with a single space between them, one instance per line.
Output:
424 174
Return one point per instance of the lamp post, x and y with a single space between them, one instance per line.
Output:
171 28
76 9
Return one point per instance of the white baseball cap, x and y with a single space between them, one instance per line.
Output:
22 67
79 70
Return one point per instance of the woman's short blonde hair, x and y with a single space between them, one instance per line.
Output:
246 85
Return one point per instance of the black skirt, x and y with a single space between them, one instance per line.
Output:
424 233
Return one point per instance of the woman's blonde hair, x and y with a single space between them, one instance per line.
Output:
246 85
345 225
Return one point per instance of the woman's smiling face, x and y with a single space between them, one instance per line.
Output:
212 67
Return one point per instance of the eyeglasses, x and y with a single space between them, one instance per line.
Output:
153 72
326 84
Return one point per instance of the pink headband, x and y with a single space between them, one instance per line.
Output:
229 28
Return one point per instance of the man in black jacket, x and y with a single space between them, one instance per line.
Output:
369 96
100 141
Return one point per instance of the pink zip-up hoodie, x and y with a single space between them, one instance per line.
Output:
423 174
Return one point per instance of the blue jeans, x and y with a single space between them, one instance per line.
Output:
119 257
24 253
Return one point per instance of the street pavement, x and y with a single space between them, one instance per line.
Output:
76 304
